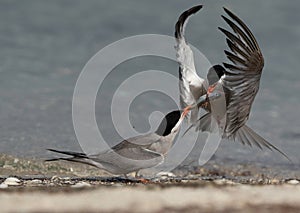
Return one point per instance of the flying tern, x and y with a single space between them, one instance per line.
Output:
238 81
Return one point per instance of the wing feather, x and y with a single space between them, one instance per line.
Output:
242 77
191 86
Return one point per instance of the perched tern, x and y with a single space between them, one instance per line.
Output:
134 154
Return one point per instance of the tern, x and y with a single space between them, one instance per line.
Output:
238 81
136 153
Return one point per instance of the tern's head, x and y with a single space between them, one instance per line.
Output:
168 123
215 73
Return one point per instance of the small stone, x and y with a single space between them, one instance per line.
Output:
166 174
55 178
3 186
81 185
260 181
293 182
35 181
65 178
220 181
6 166
274 181
224 181
11 181
230 182
162 178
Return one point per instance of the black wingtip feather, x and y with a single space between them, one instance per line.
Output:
235 49
182 18
234 39
243 25
226 10
231 14
240 32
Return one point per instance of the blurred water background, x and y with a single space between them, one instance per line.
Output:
45 45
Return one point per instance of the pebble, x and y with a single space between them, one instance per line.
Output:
6 166
224 182
166 174
35 181
55 178
81 185
275 181
3 186
11 181
293 182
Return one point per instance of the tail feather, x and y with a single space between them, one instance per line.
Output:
74 154
242 138
246 135
76 157
57 159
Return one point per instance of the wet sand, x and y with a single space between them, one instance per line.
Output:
62 187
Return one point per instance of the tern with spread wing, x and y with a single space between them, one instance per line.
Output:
238 81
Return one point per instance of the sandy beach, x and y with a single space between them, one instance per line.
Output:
64 187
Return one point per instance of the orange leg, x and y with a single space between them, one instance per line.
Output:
144 180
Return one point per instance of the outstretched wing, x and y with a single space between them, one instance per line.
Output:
242 76
190 84
241 82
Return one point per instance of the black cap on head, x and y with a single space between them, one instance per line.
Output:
215 73
168 123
